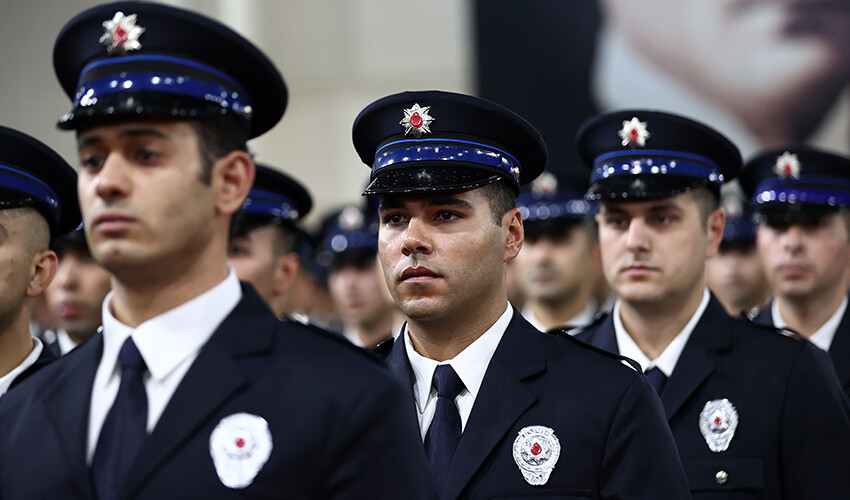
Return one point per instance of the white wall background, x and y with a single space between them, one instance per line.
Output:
336 57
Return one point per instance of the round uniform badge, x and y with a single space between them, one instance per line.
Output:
536 451
717 422
240 445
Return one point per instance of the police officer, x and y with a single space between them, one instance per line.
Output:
736 274
355 282
262 250
38 202
559 262
504 410
75 296
194 389
754 413
801 197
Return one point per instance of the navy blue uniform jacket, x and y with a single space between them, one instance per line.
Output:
341 426
614 441
839 350
793 435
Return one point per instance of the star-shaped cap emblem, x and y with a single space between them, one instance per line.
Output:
121 34
787 165
417 121
634 133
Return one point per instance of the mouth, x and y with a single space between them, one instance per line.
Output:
793 270
638 270
113 223
418 274
69 309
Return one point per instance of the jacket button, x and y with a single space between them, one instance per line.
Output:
721 477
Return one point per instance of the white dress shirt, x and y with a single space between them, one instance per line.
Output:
584 318
470 366
168 343
666 361
824 335
66 345
6 380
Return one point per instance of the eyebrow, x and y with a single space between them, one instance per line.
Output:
133 132
393 202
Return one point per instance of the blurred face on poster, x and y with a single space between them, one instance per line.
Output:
778 66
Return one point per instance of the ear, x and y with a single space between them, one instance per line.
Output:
232 178
285 273
42 270
515 233
715 224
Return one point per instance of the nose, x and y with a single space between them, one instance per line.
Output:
111 180
415 238
637 239
66 273
792 238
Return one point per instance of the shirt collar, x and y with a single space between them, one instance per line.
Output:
470 364
824 335
666 361
6 380
584 318
166 340
66 344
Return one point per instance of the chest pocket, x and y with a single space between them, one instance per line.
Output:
738 477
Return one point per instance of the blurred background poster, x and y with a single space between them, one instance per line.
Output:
767 73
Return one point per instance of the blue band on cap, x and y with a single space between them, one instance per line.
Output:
801 190
232 96
556 205
655 161
342 241
269 203
740 228
21 181
445 150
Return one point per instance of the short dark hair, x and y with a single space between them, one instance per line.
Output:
501 199
218 136
707 202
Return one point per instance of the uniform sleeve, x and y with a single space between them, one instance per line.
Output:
815 443
377 452
641 460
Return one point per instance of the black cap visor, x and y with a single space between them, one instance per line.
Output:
426 179
646 186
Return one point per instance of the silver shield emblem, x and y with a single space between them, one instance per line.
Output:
536 451
717 422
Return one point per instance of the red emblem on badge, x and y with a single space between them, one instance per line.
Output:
417 121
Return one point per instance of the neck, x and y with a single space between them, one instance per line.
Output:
447 337
558 313
134 302
375 330
654 326
15 341
806 316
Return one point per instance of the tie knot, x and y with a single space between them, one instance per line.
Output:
129 356
656 378
447 382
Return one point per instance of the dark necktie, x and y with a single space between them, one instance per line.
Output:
656 378
124 429
444 431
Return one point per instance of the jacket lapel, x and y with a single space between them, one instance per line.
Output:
696 363
67 404
501 400
213 379
839 351
602 336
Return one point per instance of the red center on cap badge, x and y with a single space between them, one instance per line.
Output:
787 165
634 133
121 34
536 451
718 421
417 121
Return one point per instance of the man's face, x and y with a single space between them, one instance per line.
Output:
555 267
442 253
356 290
75 295
737 277
15 261
144 205
805 260
654 251
254 259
